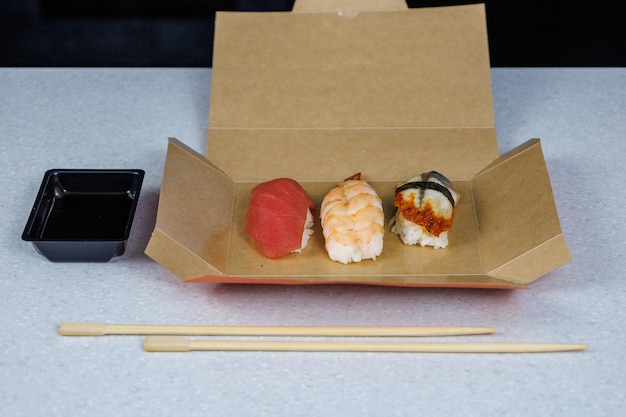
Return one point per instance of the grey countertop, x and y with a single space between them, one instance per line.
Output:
121 118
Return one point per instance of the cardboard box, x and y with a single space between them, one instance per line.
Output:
319 96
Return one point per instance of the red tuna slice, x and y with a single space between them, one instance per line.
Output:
276 216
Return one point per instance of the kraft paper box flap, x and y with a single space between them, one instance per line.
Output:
347 5
413 68
334 154
191 236
518 225
416 75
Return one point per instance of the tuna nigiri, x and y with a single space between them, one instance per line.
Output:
352 221
280 217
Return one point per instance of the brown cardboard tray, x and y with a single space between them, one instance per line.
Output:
318 96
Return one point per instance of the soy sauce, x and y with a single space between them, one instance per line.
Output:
87 216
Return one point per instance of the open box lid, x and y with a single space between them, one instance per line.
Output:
333 86
319 96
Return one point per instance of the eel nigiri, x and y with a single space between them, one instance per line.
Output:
425 210
352 221
280 217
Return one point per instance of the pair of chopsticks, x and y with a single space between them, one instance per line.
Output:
183 344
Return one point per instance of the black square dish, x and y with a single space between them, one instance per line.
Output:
83 215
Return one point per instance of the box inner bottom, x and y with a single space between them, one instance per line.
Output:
461 257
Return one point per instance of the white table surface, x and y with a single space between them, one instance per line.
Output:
121 118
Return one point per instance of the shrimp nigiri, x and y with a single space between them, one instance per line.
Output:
352 221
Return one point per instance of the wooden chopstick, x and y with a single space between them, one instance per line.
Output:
183 344
101 329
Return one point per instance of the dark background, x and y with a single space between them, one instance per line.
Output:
171 33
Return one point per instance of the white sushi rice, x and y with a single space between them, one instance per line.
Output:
414 234
355 251
308 231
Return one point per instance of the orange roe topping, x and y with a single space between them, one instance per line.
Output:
425 216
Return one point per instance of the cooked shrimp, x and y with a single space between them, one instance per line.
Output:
352 221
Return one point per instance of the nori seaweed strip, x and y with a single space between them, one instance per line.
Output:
427 184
